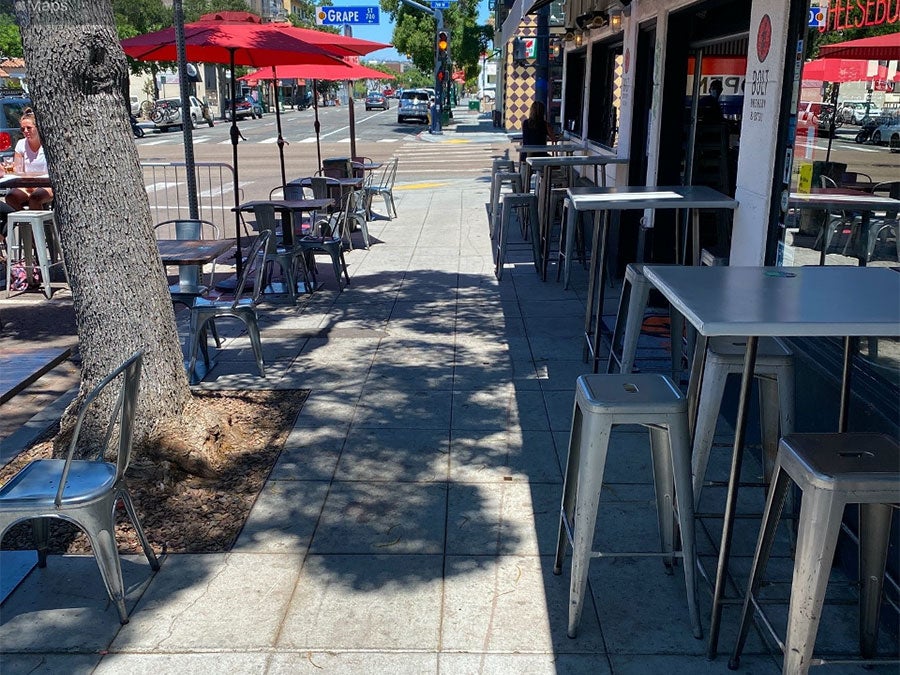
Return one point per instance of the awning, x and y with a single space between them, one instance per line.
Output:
877 48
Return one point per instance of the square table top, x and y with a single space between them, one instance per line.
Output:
575 160
648 197
288 204
343 182
550 147
191 251
13 180
831 301
842 198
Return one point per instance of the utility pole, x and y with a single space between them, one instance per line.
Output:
439 70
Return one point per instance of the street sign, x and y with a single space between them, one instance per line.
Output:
341 16
440 4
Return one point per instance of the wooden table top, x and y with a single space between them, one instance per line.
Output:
192 251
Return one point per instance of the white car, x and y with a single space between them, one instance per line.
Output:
888 134
167 112
854 112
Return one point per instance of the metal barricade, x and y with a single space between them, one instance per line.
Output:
166 183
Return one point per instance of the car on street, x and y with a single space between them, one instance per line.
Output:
244 107
11 108
375 99
389 93
817 115
888 133
413 105
167 112
854 112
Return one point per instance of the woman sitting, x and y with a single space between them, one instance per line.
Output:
536 129
29 159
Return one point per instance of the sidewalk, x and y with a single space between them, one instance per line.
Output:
409 525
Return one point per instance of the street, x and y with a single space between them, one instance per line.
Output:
875 160
378 136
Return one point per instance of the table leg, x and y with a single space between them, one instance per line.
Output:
592 289
846 370
571 222
601 291
737 457
698 363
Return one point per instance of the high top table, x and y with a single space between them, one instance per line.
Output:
755 302
616 199
845 199
552 149
545 165
290 207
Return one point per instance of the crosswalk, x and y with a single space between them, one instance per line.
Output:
444 159
200 139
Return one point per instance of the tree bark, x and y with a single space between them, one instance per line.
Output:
78 79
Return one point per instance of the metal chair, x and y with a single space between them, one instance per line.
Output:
884 225
288 258
33 232
292 191
244 309
329 239
192 283
85 491
385 188
832 471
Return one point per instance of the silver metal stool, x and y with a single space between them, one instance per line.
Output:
33 231
774 374
717 256
525 204
832 470
629 318
499 179
499 165
602 402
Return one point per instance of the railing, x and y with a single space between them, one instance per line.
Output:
166 183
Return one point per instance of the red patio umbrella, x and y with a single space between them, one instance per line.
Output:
356 71
835 70
234 39
876 48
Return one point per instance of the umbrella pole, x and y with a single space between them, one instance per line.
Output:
352 115
317 125
281 142
186 120
235 134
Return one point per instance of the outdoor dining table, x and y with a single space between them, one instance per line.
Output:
188 255
754 302
619 198
551 149
290 207
337 187
568 162
845 199
33 181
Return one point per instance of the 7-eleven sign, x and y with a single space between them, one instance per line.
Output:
530 48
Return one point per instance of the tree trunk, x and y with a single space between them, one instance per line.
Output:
79 80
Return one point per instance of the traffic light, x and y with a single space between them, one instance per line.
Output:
443 43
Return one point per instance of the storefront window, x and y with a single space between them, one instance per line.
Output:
574 95
606 87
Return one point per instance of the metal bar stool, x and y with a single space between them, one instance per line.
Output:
501 178
34 231
602 402
498 165
630 317
774 374
525 205
831 470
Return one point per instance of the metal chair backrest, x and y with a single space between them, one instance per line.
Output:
264 214
186 229
827 181
255 260
391 174
121 416
290 191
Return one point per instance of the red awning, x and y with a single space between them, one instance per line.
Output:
351 71
878 47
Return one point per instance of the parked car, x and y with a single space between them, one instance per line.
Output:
244 107
167 112
376 100
888 133
10 111
413 105
135 106
854 112
389 93
818 115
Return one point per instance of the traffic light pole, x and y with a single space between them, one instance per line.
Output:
438 65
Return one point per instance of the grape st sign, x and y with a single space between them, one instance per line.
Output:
341 16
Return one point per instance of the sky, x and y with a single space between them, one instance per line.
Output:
385 30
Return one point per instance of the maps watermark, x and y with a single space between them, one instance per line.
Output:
45 6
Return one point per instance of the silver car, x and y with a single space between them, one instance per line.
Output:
413 105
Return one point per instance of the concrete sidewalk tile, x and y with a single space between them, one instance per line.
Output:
533 664
482 410
548 347
395 455
212 602
502 518
677 664
365 603
387 373
395 663
334 350
502 604
65 606
328 407
49 664
283 517
406 409
182 663
497 456
382 518
558 405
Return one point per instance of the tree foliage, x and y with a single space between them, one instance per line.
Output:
414 34
10 37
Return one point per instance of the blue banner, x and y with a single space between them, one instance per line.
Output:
341 16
